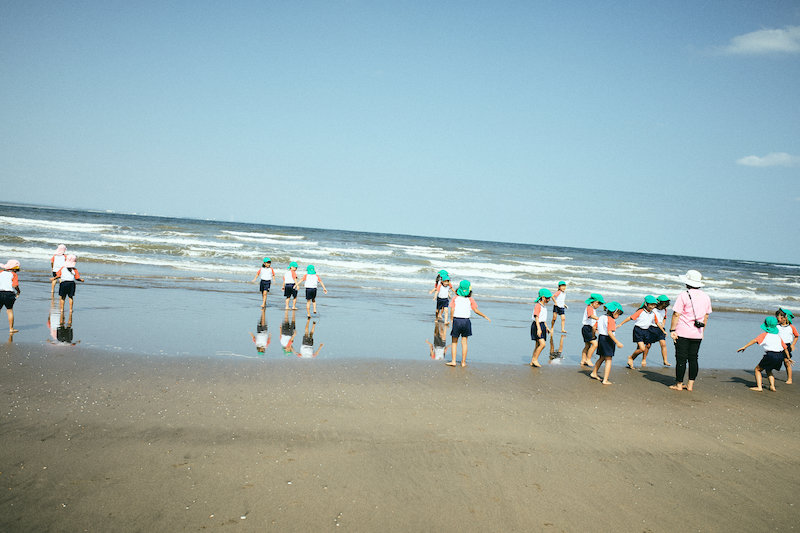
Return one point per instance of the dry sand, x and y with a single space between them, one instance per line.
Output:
101 441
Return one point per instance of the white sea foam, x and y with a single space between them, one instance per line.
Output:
258 236
55 225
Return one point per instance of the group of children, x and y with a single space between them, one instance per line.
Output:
599 332
291 285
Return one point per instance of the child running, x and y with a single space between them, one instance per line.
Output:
462 306
68 275
657 334
56 262
644 317
559 305
789 336
589 328
606 340
267 275
311 280
290 285
442 291
539 326
776 352
9 290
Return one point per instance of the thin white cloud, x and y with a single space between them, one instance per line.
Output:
786 40
774 159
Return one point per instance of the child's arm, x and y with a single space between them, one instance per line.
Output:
746 346
626 319
323 285
481 314
78 276
318 349
614 338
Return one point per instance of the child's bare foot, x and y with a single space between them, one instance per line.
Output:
12 330
759 389
563 331
666 363
536 364
630 364
606 383
594 375
463 364
789 382
644 363
451 363
772 388
679 386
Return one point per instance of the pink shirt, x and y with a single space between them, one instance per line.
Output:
684 305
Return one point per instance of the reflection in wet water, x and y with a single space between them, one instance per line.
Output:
439 344
61 331
307 346
262 337
557 354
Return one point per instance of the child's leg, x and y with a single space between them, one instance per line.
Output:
453 352
584 352
758 379
596 368
788 364
639 349
771 379
540 343
552 345
11 321
590 353
663 344
287 303
607 371
463 351
563 321
644 354
308 307
314 305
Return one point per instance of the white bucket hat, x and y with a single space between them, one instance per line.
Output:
693 278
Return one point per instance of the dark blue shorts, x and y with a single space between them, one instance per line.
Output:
542 328
7 299
462 327
771 361
641 335
66 289
605 346
656 334
441 303
588 333
290 290
264 285
558 310
311 293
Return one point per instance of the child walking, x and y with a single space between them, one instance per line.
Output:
442 290
559 305
788 335
290 285
267 275
775 352
606 340
644 317
589 328
439 344
56 262
311 280
68 275
539 326
657 334
461 310
9 290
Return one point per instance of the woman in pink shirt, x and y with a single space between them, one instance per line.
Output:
689 320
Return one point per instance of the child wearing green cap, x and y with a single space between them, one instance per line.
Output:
775 352
539 327
589 328
644 318
789 336
606 340
311 280
559 305
267 275
442 290
657 334
461 308
290 285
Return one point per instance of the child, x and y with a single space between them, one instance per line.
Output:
644 317
789 336
288 331
589 328
68 275
559 305
607 341
267 275
539 326
659 334
290 285
56 262
442 291
307 345
263 337
9 290
311 280
461 307
439 341
776 352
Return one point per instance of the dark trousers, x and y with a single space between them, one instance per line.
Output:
686 351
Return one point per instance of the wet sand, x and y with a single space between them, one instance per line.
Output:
104 441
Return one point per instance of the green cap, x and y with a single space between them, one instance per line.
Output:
463 288
595 297
613 307
545 293
649 299
267 260
770 325
444 275
663 298
562 283
310 269
789 315
293 264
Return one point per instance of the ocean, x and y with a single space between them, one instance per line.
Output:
193 258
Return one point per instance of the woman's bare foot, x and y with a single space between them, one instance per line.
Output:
759 389
676 387
451 363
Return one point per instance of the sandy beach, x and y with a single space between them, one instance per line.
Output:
103 441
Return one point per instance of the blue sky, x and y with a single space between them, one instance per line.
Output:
669 127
